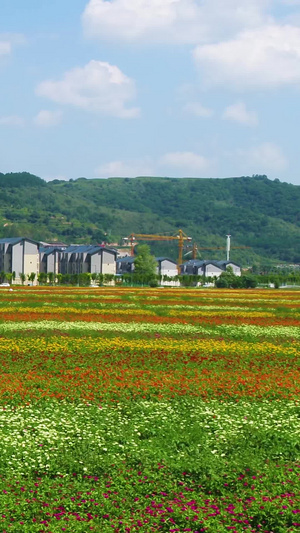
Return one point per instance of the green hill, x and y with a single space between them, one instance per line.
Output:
259 213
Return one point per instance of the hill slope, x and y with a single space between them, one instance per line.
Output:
259 213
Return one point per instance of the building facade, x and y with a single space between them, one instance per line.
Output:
19 256
80 259
50 259
207 269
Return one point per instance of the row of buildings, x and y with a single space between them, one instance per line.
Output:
168 267
22 257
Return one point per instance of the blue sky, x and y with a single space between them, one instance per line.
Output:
184 88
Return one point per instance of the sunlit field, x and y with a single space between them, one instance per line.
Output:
149 410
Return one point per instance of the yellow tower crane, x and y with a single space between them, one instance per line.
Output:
196 249
180 236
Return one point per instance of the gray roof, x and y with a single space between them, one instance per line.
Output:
195 262
85 248
160 259
71 248
88 249
50 249
198 263
96 250
16 240
215 263
11 240
127 259
225 263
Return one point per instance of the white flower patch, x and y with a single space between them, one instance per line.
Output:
61 437
240 331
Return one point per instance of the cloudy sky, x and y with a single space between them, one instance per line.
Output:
199 88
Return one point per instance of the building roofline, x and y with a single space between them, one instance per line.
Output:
160 259
16 240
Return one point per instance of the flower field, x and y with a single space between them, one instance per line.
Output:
149 410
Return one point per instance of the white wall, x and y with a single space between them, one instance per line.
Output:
212 270
17 260
168 268
31 259
96 263
108 263
236 269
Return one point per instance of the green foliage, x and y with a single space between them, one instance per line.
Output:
249 281
20 179
31 277
228 280
258 212
22 278
50 277
42 278
84 279
145 263
188 280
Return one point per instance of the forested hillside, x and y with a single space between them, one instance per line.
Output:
259 213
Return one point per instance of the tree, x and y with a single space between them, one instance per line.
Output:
31 277
22 277
145 264
8 277
249 281
100 278
51 277
84 279
228 280
42 278
108 278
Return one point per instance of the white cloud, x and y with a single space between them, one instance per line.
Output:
291 2
125 169
5 48
97 86
264 57
179 21
262 159
12 120
189 162
8 41
47 118
198 110
172 163
239 113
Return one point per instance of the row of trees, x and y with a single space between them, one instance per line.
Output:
8 277
226 280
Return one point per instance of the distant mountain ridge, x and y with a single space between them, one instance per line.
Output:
259 213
